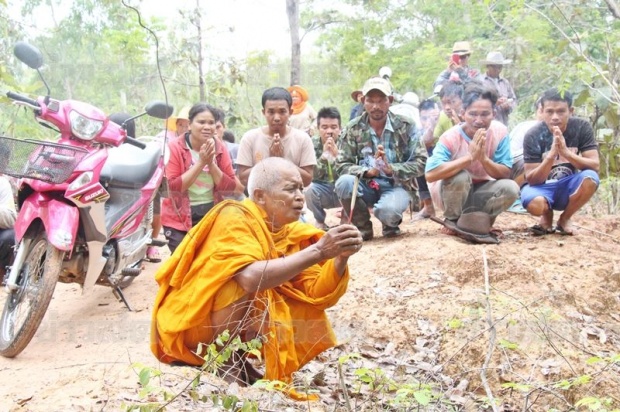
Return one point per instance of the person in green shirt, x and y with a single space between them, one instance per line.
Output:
451 96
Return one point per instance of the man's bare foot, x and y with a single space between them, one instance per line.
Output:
546 220
251 373
421 215
564 227
498 233
233 371
444 230
238 369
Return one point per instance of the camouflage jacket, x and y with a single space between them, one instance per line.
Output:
324 171
402 142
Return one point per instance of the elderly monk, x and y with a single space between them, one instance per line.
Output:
255 257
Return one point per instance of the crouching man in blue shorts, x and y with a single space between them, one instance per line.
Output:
561 164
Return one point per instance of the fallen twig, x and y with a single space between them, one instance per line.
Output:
615 239
492 332
344 388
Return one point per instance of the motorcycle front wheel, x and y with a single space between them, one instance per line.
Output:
25 307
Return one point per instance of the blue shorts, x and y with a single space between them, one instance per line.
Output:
557 193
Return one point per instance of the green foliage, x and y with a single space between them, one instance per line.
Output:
214 359
455 323
219 352
508 345
567 384
376 386
521 387
571 45
595 404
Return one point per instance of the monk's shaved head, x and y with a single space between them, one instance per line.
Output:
267 173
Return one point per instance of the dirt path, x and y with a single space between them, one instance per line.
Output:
415 307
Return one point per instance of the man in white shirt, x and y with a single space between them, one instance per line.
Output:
276 139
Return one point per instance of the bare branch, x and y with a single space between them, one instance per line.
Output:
492 332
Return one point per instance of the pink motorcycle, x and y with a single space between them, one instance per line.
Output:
85 206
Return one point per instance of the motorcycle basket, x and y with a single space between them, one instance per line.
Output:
34 159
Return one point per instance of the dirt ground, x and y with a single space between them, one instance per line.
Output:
417 312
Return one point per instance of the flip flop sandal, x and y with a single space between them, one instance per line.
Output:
538 230
560 230
152 255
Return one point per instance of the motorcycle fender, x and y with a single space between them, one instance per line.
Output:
59 219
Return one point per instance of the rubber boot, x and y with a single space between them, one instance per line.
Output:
361 216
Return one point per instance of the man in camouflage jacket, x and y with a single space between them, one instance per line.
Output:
385 151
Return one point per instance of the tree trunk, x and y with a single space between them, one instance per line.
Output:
613 8
292 11
201 79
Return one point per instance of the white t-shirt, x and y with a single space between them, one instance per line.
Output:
254 147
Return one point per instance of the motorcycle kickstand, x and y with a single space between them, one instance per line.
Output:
118 293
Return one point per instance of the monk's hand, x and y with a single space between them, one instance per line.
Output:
342 240
276 149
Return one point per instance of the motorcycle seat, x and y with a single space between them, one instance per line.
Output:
130 167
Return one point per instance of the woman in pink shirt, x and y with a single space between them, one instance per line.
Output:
199 173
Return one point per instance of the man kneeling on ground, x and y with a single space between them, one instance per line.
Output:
470 168
561 164
254 260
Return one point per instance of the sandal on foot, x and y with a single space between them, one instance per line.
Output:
563 232
152 255
538 230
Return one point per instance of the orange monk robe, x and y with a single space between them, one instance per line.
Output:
299 106
196 280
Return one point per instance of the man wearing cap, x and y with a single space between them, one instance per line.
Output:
458 66
383 150
507 99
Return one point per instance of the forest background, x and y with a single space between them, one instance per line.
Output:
96 51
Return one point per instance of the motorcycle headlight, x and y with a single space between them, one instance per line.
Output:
83 127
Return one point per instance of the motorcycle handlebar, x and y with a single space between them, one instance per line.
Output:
135 142
20 98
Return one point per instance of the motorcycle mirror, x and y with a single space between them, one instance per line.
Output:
28 54
159 110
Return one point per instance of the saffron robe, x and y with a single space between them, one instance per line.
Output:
198 279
